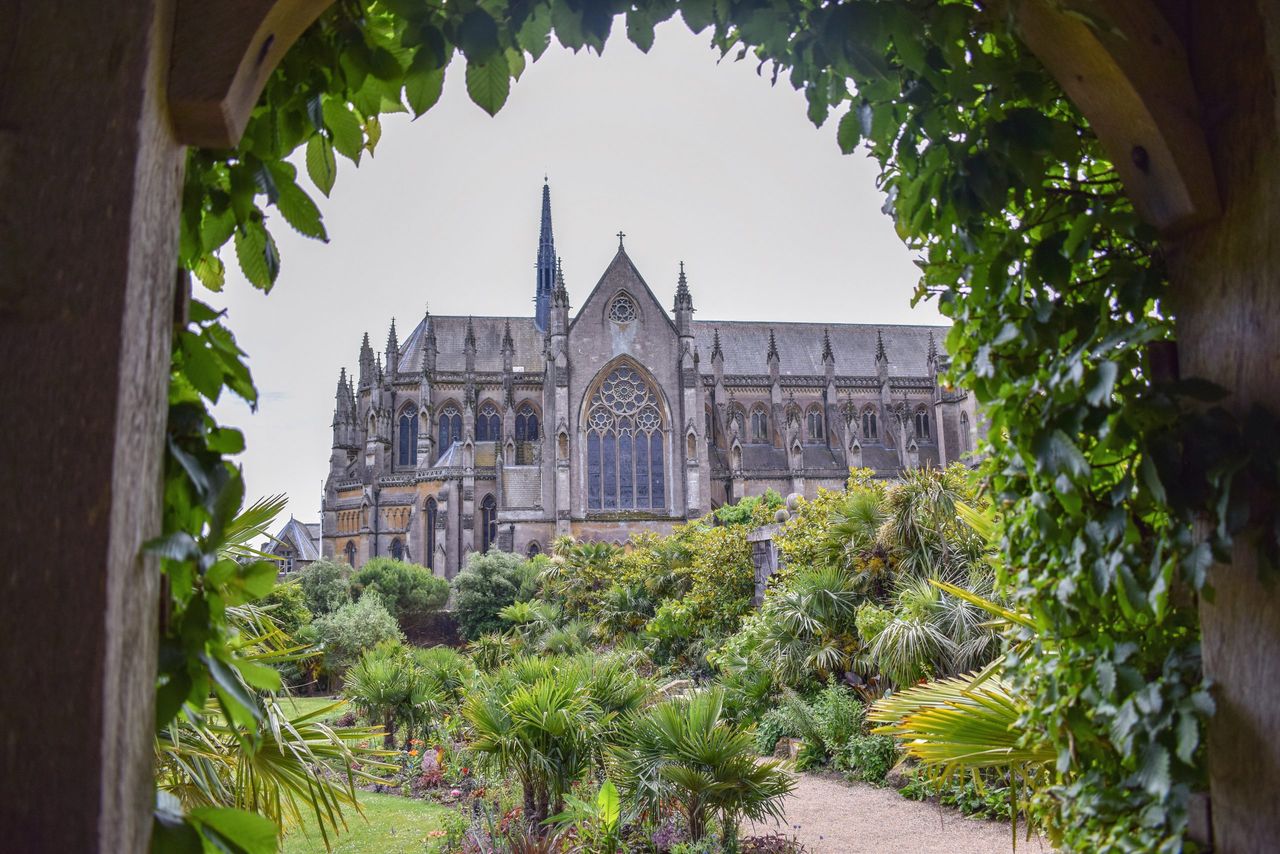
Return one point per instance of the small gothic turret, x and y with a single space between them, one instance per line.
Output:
559 304
366 362
882 359
717 354
933 356
469 346
683 310
393 351
828 355
429 346
772 357
508 344
342 413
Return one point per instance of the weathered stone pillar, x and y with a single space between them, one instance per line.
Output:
89 190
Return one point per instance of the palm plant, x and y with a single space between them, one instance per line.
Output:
379 687
685 749
250 524
808 624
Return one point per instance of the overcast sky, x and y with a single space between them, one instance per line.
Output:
694 160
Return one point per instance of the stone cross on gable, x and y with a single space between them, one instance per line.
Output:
621 234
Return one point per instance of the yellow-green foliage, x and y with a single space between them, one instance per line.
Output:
802 542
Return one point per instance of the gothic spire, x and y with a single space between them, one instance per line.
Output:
393 349
716 351
469 341
933 348
773 348
684 300
546 264
508 344
828 355
366 362
881 356
341 395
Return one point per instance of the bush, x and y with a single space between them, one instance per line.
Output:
489 582
870 757
325 586
744 511
839 717
871 621
409 590
287 605
355 627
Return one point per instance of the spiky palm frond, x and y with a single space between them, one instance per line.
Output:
250 524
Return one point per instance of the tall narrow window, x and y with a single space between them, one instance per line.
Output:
488 523
429 535
815 424
450 427
397 549
488 424
408 455
869 424
624 445
760 424
922 424
965 438
526 423
350 552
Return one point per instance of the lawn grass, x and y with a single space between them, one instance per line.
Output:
391 825
302 705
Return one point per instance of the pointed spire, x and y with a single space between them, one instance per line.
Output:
933 349
684 300
366 362
393 341
773 348
828 355
546 263
393 350
561 299
508 343
378 375
342 384
716 351
469 341
881 356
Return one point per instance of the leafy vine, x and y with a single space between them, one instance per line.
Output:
1025 238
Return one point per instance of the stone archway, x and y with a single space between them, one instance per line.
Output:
91 169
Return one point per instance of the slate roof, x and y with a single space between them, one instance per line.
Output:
451 334
746 343
305 538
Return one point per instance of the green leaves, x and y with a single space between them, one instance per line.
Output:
849 131
344 129
257 254
321 166
489 83
423 84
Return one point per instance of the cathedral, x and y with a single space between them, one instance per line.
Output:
506 432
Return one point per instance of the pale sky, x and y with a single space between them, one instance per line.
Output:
694 160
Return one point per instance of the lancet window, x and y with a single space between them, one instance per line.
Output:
526 423
625 445
488 523
350 552
760 424
814 422
922 424
450 427
408 434
429 538
488 424
869 427
397 549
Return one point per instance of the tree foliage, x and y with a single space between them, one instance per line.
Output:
410 591
489 582
355 627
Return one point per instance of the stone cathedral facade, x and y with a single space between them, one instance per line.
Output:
506 432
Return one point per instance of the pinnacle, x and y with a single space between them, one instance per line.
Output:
881 356
716 351
773 347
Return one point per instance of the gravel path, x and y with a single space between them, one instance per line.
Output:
854 818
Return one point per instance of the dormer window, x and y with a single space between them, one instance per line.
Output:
622 310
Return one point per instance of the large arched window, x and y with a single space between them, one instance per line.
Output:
488 424
350 552
526 423
450 427
397 549
814 424
625 446
759 424
408 448
429 534
488 523
922 424
869 430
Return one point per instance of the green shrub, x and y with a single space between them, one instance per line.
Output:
325 585
489 582
410 591
287 605
839 716
871 620
870 757
743 512
355 627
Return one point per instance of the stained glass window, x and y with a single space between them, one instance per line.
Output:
526 423
429 534
869 424
816 432
397 549
624 445
408 448
623 310
488 424
450 427
488 523
350 552
760 424
922 424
